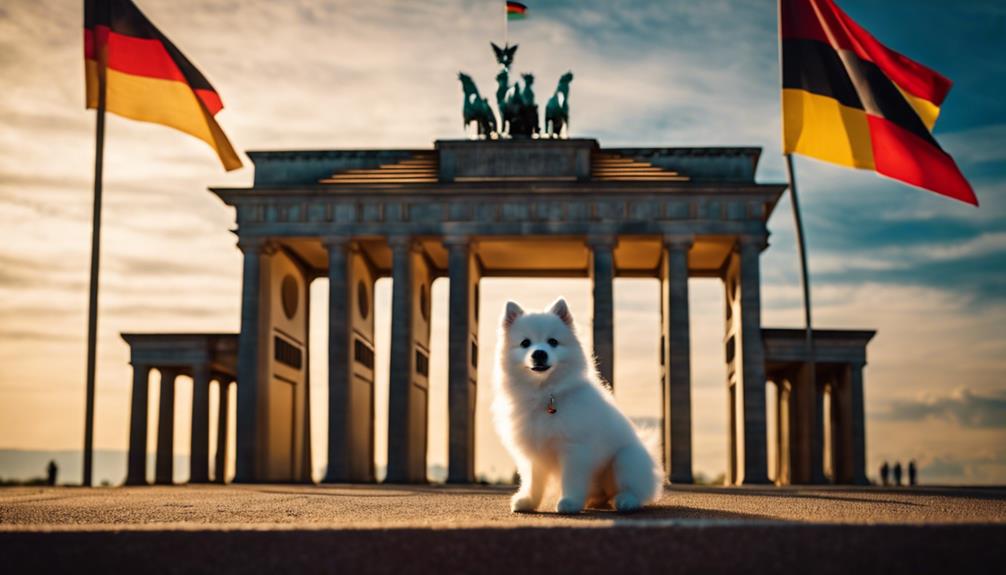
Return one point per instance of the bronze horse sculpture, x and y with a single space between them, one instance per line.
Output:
518 111
476 108
557 109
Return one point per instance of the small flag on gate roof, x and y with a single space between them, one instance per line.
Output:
515 11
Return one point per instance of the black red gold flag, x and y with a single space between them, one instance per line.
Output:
146 77
850 100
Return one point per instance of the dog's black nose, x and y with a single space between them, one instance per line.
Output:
539 357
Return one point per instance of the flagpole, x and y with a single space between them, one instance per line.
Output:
804 275
506 25
92 311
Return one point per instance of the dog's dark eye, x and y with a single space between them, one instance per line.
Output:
553 342
525 343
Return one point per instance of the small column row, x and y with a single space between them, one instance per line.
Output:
804 424
136 472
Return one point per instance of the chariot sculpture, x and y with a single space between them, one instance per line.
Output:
518 111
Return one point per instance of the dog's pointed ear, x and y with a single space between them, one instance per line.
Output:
511 312
560 309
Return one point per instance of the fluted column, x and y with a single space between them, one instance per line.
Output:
339 405
199 444
678 376
460 385
402 362
602 280
753 361
223 415
249 361
165 465
136 471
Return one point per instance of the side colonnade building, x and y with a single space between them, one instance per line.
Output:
467 210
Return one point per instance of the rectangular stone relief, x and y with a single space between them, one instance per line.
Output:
460 212
515 211
644 210
677 210
736 211
577 211
393 212
425 212
316 213
515 160
488 212
610 210
372 212
345 213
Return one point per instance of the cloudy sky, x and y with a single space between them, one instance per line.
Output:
928 273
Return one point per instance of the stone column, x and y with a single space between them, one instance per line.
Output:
817 445
339 406
805 438
199 445
136 471
841 426
402 363
678 374
857 417
784 435
755 463
223 414
602 278
461 387
249 361
164 468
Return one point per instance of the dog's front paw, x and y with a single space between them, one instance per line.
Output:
520 503
627 502
568 506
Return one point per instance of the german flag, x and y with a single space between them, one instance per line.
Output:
146 78
516 11
849 100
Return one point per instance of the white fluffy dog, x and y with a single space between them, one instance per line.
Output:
559 422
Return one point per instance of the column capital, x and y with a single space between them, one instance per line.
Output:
336 242
678 241
601 241
751 241
169 371
457 241
257 245
202 369
401 242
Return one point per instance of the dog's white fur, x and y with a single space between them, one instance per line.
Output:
588 445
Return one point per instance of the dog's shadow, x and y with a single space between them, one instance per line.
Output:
660 513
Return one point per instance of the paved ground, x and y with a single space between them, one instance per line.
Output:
385 507
469 529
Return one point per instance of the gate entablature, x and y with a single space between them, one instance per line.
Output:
546 193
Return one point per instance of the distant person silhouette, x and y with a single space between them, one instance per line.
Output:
897 473
912 473
51 471
885 474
